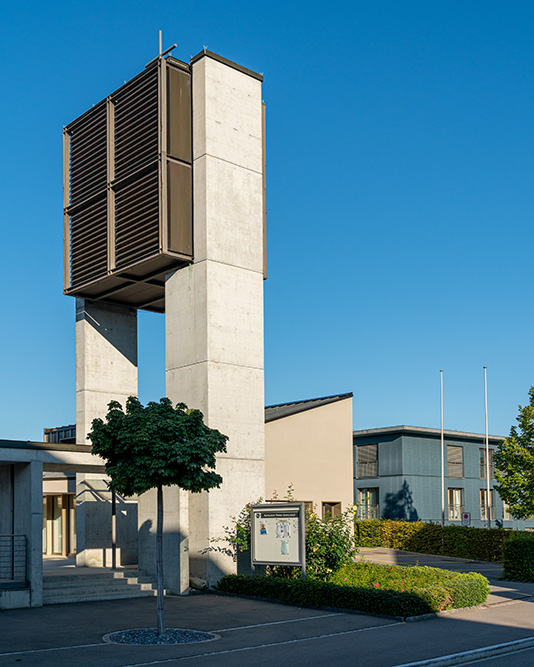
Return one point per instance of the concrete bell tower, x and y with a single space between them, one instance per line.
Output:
172 219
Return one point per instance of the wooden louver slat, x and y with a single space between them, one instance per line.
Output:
88 146
136 125
137 219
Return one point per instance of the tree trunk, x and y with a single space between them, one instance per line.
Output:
159 561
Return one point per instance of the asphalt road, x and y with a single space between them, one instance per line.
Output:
263 633
251 632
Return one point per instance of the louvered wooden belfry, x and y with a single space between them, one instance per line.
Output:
128 190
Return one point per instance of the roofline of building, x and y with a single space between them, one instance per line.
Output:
422 430
54 446
330 399
338 397
230 63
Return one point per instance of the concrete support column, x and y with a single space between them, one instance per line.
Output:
106 370
28 521
175 539
214 308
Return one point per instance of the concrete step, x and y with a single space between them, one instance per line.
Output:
54 583
75 590
95 597
87 586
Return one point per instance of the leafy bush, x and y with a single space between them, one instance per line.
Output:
431 538
430 592
442 589
329 546
519 557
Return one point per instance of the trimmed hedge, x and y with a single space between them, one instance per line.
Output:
431 538
443 589
519 557
375 600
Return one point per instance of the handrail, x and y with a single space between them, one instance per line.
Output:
13 560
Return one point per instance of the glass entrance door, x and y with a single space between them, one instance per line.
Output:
59 524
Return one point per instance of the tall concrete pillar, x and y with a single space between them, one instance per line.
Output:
106 370
214 308
28 521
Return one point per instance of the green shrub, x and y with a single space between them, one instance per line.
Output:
431 538
329 546
519 557
363 587
315 593
442 589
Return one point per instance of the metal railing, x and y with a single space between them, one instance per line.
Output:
455 512
13 559
367 512
367 469
484 512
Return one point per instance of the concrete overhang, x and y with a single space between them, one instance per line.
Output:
54 457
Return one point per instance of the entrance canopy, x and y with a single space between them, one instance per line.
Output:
53 456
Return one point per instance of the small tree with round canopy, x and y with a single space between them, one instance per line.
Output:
153 446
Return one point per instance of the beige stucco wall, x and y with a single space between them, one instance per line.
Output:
311 450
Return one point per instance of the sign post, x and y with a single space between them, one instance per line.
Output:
278 535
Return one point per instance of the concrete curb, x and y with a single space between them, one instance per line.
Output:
474 654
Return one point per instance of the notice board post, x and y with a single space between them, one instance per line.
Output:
278 535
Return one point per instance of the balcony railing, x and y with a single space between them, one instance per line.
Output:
367 469
484 513
13 559
455 512
368 512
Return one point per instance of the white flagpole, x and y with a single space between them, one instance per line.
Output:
488 497
442 459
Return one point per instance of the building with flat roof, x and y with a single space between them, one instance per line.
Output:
397 475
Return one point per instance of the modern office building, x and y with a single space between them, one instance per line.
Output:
397 475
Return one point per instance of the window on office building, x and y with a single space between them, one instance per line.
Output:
368 505
456 504
483 506
455 461
367 461
482 458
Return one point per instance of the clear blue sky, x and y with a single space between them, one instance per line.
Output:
400 197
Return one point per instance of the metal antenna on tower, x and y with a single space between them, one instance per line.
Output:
161 53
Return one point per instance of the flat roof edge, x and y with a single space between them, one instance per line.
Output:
421 430
230 63
54 446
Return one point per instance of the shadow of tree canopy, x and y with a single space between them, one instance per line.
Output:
399 506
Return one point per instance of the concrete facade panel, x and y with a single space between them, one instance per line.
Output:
227 120
230 187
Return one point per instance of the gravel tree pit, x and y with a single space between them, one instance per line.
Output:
149 636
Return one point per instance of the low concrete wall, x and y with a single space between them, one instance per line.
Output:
15 599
